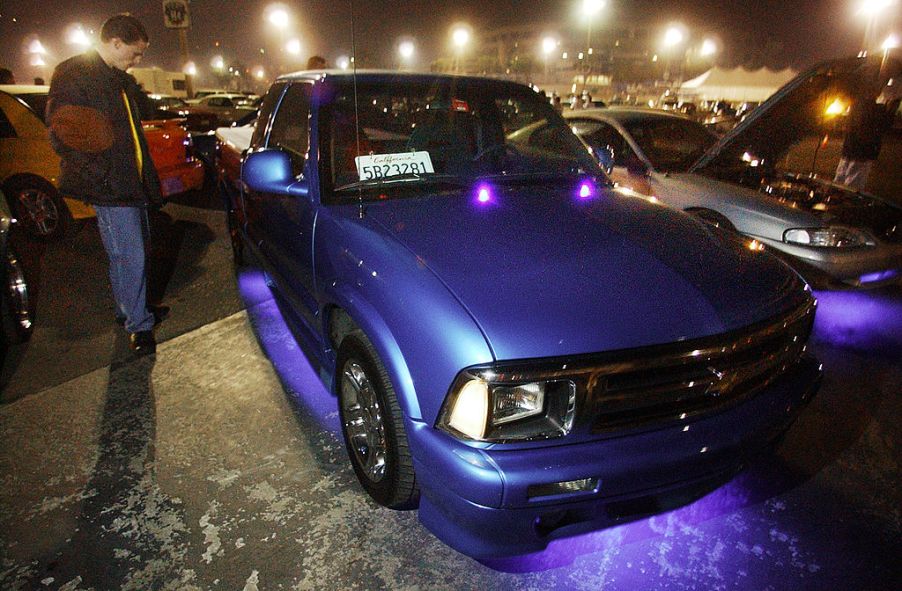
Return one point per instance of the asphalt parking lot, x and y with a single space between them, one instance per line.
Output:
218 463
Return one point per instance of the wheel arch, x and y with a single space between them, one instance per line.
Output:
346 314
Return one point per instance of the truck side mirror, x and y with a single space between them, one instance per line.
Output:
270 171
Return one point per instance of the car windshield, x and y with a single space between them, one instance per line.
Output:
671 144
450 129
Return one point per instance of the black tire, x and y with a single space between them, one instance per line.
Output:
372 425
39 208
235 240
18 307
710 216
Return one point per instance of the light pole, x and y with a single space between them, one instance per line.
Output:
589 10
673 38
460 37
549 45
279 18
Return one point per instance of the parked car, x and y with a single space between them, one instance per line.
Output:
515 346
226 107
30 169
831 234
16 306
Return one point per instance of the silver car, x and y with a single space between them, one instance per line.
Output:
745 181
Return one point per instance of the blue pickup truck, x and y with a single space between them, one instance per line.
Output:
518 349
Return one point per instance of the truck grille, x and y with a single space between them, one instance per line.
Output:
671 383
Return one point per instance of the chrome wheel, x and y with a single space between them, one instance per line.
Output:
17 290
40 210
363 421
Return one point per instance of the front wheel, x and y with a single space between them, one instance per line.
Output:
372 425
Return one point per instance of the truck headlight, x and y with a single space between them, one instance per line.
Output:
829 237
482 407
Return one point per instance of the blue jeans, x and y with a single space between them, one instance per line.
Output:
123 231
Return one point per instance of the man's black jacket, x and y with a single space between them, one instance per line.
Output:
90 130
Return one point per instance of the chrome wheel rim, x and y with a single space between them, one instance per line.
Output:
41 210
17 289
363 421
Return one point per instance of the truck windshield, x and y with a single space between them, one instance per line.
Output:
417 126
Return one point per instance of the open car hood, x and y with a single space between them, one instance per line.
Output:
795 111
747 155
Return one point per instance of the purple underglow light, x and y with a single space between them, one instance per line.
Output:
865 320
483 194
586 190
298 377
878 276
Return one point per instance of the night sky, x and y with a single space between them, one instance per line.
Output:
787 32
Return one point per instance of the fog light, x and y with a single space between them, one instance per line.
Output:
567 487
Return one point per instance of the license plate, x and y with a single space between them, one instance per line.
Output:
377 166
171 186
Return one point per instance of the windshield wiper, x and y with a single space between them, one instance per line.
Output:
400 179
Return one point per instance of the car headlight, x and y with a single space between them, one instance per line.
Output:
485 407
829 237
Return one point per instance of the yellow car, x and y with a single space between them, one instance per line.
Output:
30 169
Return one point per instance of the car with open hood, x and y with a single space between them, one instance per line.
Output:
517 348
762 178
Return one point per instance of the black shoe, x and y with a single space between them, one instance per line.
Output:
142 342
160 313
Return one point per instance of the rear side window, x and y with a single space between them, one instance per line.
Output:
266 109
6 128
290 129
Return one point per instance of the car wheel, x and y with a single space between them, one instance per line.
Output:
18 309
372 425
39 207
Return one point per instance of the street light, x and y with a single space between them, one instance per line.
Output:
293 46
343 62
76 35
890 42
709 48
460 38
406 50
674 36
589 10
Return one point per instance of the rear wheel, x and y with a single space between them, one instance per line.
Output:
39 207
372 425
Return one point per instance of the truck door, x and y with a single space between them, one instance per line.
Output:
283 224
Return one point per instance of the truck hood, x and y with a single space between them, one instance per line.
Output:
544 273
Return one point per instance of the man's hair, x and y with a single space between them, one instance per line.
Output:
125 27
6 76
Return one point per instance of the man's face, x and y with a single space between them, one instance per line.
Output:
123 56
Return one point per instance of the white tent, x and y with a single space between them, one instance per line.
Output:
735 85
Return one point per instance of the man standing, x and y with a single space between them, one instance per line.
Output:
870 116
95 127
